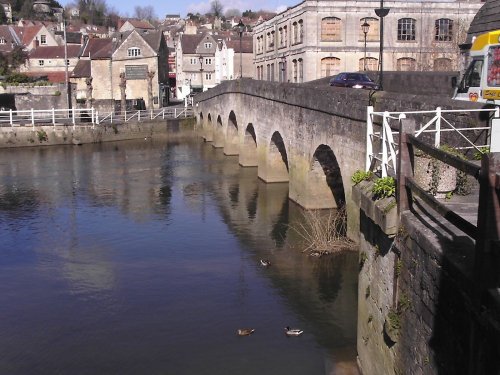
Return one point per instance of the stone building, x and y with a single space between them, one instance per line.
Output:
316 39
130 69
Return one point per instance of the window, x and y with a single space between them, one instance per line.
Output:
301 71
371 64
330 29
280 33
67 62
208 45
285 36
373 34
472 76
406 64
406 29
134 52
329 66
268 72
442 65
272 72
444 30
294 70
2 40
295 31
41 62
208 76
43 39
301 31
194 61
208 61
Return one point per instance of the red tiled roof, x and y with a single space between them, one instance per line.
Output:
140 24
54 52
246 44
54 77
28 33
82 69
98 48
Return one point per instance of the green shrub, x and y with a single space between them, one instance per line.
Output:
384 187
360 175
57 93
478 154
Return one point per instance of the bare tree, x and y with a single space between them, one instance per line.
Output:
145 13
216 8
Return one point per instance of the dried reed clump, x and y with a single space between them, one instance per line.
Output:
322 232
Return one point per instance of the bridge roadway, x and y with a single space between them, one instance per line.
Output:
313 137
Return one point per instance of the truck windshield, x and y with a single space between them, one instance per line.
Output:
472 77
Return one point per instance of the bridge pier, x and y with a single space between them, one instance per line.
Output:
248 149
219 137
271 163
232 144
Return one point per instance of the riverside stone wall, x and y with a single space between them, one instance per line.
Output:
28 136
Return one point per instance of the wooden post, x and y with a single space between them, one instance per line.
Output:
405 161
487 254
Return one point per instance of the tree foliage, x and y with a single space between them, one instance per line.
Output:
3 16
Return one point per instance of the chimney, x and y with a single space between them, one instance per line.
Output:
35 42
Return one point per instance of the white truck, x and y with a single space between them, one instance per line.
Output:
481 80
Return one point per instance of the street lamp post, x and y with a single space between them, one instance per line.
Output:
201 71
241 27
381 12
365 27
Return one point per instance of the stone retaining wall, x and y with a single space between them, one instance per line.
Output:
28 136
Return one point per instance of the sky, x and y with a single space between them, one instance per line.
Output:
183 7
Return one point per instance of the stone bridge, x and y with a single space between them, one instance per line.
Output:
312 136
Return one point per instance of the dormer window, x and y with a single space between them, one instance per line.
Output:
2 40
208 45
134 52
43 39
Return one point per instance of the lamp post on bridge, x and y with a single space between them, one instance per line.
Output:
241 27
201 71
365 27
381 12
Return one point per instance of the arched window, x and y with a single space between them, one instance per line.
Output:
301 31
442 65
294 70
371 64
295 33
301 70
330 66
444 30
406 29
406 64
373 34
331 29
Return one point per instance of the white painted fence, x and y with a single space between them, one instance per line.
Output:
86 116
382 149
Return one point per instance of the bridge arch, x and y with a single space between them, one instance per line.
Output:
218 133
231 145
275 166
248 149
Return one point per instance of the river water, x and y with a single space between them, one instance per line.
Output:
142 257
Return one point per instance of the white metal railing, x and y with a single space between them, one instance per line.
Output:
86 116
382 150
